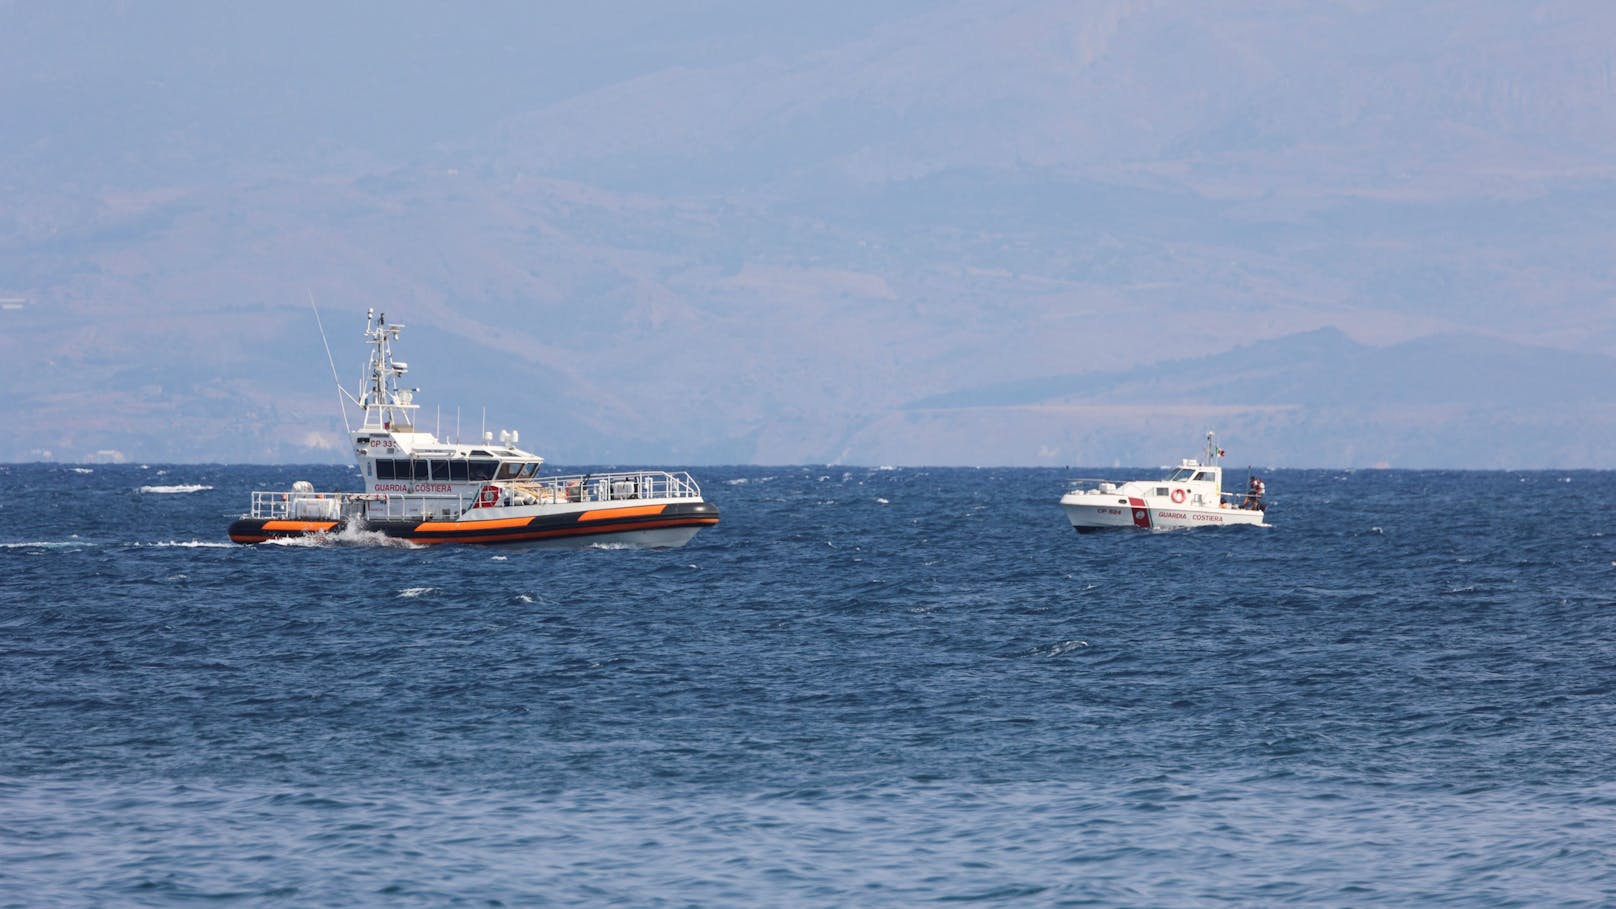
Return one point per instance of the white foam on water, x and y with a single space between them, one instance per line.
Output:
881 501
190 487
349 536
307 542
46 544
415 591
83 470
188 544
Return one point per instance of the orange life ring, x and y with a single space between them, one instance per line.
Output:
488 496
1178 496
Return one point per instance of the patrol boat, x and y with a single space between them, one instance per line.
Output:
1190 496
424 490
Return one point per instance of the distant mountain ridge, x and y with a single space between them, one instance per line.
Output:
1323 368
900 233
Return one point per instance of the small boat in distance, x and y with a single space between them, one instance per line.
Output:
423 490
1190 496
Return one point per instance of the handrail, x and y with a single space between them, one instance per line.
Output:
610 486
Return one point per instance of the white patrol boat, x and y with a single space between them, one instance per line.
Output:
1190 496
423 490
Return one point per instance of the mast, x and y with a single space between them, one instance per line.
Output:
386 406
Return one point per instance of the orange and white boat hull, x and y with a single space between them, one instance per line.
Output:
653 525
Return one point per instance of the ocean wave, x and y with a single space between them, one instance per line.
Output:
188 487
807 703
1059 648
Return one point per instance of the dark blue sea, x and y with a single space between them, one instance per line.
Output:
866 687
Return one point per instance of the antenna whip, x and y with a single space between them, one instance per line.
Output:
340 405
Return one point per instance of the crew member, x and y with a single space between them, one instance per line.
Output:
1254 494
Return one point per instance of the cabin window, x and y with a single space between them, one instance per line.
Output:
440 470
1204 476
482 471
507 470
457 470
1180 475
529 469
1161 490
384 469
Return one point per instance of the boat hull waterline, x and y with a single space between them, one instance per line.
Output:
1137 513
664 526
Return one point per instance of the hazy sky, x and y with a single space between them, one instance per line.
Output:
136 91
819 235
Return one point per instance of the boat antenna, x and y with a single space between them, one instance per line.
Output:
347 428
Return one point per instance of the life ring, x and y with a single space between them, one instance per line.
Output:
1178 496
488 497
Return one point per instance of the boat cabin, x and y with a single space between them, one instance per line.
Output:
471 467
389 466
1191 483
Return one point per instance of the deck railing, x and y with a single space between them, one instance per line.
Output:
541 490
